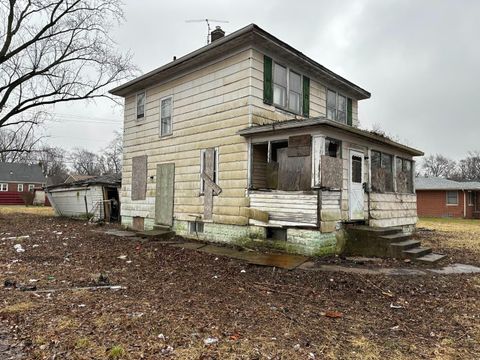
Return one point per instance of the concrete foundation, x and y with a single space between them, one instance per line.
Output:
298 241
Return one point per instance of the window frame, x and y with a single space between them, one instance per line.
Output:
215 169
31 187
144 92
471 198
392 167
456 195
412 176
19 186
171 115
4 187
287 90
337 94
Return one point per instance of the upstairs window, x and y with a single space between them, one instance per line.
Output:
141 97
287 88
452 197
166 116
336 106
20 187
280 85
295 92
382 172
3 187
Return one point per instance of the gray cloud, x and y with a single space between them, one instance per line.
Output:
419 59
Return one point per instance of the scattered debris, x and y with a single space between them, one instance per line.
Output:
395 306
210 341
122 257
333 314
18 248
9 283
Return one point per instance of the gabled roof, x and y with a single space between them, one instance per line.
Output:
76 177
437 183
322 121
108 180
25 173
249 35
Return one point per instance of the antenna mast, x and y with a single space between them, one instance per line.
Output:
208 21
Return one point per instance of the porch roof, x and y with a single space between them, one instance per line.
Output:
289 125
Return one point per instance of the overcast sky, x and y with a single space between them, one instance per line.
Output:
419 59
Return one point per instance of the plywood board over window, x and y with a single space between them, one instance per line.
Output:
331 172
139 177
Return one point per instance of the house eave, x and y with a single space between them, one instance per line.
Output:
290 125
247 36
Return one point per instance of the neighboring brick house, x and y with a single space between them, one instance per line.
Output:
16 179
438 197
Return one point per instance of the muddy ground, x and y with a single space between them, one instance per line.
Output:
183 304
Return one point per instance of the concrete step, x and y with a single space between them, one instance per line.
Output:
431 258
156 234
375 230
416 252
396 249
397 237
161 227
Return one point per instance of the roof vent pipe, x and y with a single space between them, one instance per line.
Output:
216 34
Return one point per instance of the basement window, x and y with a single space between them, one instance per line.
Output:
195 227
452 197
382 172
276 234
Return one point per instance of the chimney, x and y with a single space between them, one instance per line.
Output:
216 34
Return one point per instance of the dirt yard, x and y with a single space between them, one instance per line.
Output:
183 304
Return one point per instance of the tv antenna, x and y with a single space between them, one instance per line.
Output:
208 21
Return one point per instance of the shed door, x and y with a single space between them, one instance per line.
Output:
164 194
356 190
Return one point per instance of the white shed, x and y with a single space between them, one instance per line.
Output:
95 198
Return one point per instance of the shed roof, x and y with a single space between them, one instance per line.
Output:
18 172
249 35
437 183
108 180
322 121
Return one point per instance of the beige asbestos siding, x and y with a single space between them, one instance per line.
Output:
209 106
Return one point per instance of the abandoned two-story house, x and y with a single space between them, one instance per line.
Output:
249 139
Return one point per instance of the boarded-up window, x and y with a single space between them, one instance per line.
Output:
139 177
382 172
202 168
259 166
404 175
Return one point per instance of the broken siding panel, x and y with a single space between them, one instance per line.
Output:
209 107
286 207
392 209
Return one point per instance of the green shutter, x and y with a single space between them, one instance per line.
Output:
349 111
267 80
306 96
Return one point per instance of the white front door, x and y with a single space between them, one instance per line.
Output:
355 190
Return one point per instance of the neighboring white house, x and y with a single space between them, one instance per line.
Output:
248 138
94 197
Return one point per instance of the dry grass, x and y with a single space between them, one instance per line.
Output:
17 308
463 233
21 209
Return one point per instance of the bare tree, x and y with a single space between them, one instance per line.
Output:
54 51
469 167
113 155
438 166
52 161
18 143
85 162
